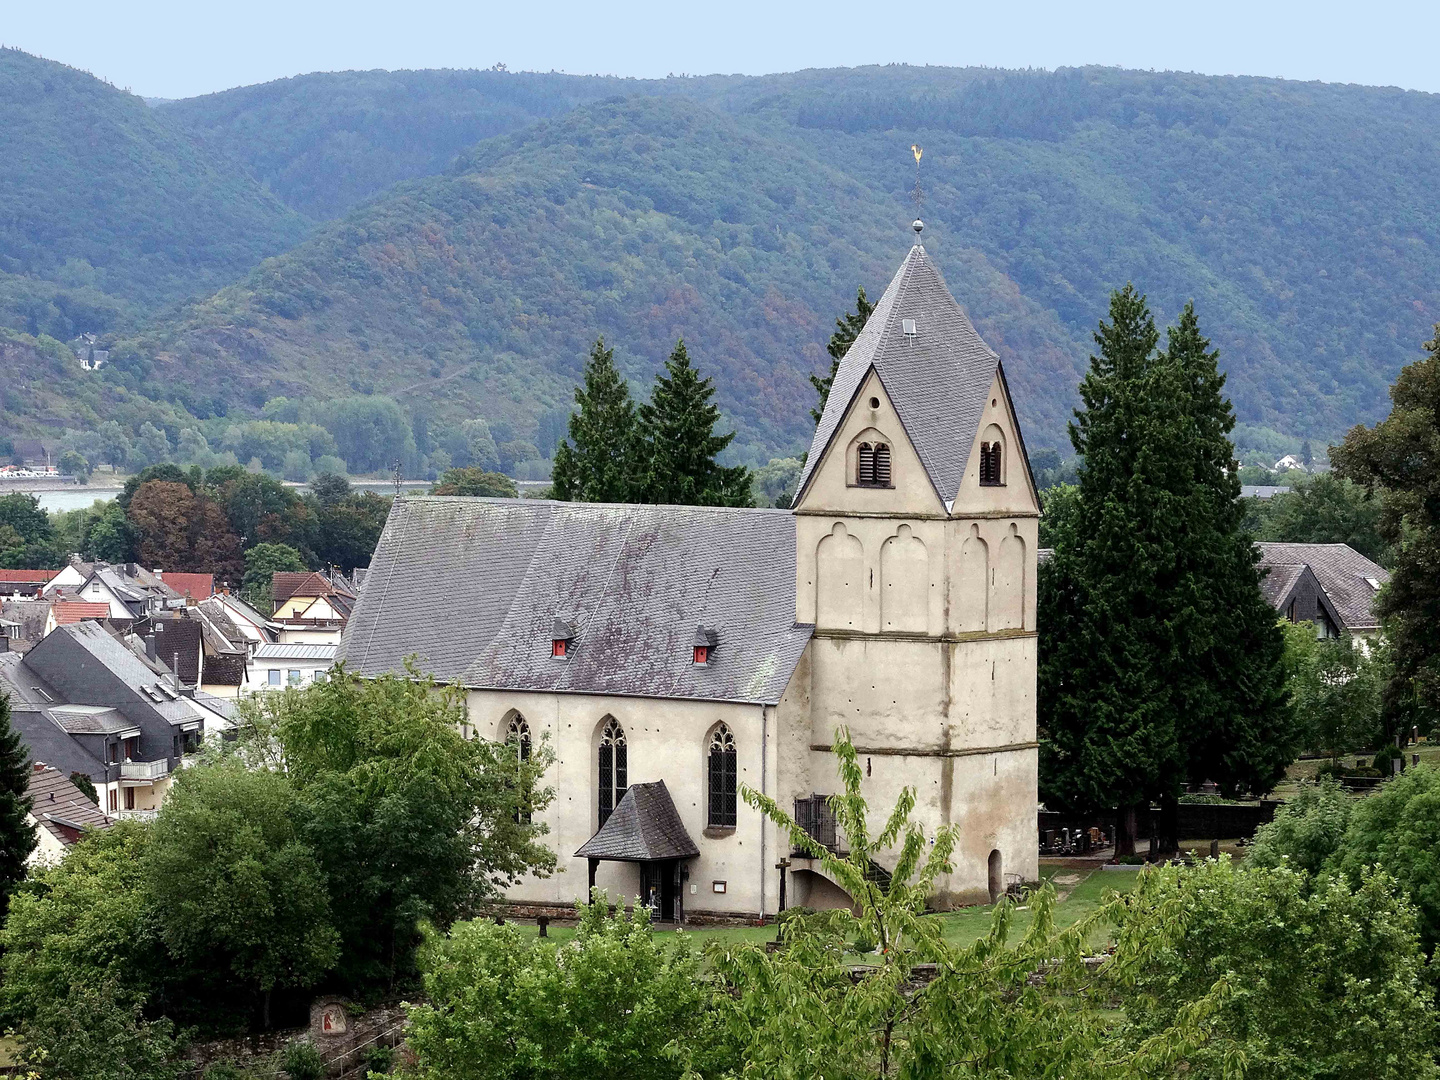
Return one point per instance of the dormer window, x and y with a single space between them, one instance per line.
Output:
561 635
990 464
872 465
705 641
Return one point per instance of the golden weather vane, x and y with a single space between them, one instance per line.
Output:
917 195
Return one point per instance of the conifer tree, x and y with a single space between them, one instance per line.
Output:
17 835
599 462
679 444
1161 661
847 329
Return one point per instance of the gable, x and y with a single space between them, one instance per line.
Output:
1016 493
870 420
934 366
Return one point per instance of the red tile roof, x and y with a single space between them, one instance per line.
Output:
286 584
27 577
66 612
195 586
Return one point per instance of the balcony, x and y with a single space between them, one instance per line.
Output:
137 815
145 770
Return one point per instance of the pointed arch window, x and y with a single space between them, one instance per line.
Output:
722 779
613 768
517 734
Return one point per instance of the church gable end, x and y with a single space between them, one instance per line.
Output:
997 475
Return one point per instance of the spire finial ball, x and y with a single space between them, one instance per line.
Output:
918 226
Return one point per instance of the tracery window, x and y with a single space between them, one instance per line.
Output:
518 736
613 768
722 778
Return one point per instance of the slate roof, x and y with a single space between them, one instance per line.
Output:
472 587
1344 574
91 719
645 827
60 808
285 584
938 382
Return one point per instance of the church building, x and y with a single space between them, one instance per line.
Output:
672 654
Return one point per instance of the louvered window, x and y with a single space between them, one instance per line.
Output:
990 464
722 779
882 465
865 471
612 768
872 466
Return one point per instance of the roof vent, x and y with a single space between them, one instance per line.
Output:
1374 583
908 325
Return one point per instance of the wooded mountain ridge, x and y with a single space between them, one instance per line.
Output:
456 239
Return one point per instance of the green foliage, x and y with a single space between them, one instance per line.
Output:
1323 509
348 528
17 835
678 446
613 1003
262 510
27 537
98 1033
847 329
473 480
1336 689
410 821
601 460
1060 506
1398 830
1307 830
167 471
302 1061
81 922
773 484
73 464
1162 661
369 432
262 563
1400 458
1325 981
238 896
108 205
111 536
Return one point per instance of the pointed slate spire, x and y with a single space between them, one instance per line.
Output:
934 366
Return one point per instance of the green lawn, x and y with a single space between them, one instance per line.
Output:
1082 891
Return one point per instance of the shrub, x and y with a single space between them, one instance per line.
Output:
1307 830
302 1061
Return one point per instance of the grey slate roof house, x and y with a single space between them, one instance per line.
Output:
83 702
1332 585
60 811
670 654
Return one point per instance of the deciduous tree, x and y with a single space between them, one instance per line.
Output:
181 530
473 480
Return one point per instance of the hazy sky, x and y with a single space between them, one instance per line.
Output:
169 49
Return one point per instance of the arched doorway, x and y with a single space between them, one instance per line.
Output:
997 876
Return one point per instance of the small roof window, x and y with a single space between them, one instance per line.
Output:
704 644
561 635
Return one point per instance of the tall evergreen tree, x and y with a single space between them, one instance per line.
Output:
17 835
599 462
679 444
1161 661
847 329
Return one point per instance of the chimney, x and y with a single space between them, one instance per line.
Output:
150 646
175 671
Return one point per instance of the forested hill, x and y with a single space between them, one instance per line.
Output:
476 229
109 210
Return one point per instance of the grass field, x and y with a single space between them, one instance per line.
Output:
1081 892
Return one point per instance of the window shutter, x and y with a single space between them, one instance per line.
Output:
865 472
882 465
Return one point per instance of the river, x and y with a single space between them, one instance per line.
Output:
73 498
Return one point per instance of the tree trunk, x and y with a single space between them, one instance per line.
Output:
1169 829
1125 831
265 1012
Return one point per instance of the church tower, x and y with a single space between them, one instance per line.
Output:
916 531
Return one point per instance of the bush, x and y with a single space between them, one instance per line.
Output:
302 1061
379 1059
1307 830
1313 980
1384 758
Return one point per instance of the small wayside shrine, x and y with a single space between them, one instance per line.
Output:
895 600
